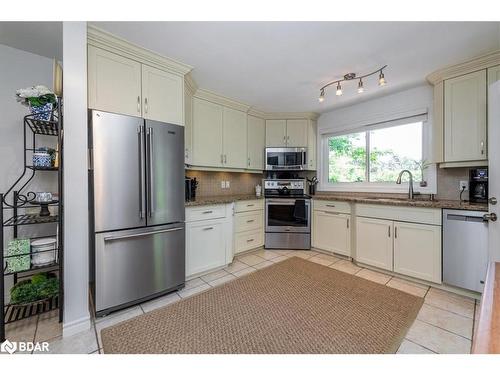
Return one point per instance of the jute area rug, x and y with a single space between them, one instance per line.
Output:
294 306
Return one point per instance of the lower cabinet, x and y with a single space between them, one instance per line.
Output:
417 251
209 242
248 225
374 242
205 246
331 232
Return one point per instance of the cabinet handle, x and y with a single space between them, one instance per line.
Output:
389 231
250 221
146 105
250 205
482 147
395 232
347 223
221 159
207 212
225 159
330 213
208 228
248 161
250 240
139 104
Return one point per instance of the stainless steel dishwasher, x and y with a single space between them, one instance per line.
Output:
465 249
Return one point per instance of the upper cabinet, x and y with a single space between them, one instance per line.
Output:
256 142
286 133
188 126
311 145
114 83
234 138
121 85
296 133
275 133
219 136
162 96
207 134
465 117
460 121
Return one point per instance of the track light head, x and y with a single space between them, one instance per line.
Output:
361 89
339 89
381 79
322 96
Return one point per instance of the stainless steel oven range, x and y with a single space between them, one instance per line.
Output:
287 214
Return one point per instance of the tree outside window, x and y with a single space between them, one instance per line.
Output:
390 150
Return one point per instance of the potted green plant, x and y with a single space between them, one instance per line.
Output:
40 99
38 288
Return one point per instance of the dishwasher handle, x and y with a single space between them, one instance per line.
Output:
455 217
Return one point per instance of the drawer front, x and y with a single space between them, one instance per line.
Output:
252 205
332 206
249 221
205 213
408 214
248 240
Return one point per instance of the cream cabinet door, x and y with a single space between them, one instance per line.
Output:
465 117
296 133
417 251
493 74
162 96
256 142
234 138
311 145
205 246
275 133
114 83
331 232
188 127
374 242
207 134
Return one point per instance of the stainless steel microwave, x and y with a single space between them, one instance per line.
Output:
286 158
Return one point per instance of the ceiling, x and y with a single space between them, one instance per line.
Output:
280 66
40 38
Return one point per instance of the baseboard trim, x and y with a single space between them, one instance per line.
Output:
76 326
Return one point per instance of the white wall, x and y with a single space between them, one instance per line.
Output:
20 69
382 109
76 266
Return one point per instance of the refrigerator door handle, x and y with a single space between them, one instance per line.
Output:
141 178
151 171
115 238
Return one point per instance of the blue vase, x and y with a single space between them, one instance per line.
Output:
42 113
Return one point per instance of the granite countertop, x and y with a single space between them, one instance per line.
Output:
418 202
221 199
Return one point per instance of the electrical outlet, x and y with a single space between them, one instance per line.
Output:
464 185
228 184
223 184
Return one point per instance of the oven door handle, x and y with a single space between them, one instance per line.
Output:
286 201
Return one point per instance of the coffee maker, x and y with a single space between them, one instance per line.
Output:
478 185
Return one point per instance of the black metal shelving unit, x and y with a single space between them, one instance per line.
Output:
14 203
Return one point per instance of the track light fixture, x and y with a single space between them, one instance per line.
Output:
350 77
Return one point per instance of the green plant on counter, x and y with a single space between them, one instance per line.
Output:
39 287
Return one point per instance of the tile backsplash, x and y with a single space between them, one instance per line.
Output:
448 180
209 183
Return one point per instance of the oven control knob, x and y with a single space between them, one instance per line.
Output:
492 200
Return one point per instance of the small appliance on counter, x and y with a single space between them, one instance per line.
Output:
190 188
287 214
478 185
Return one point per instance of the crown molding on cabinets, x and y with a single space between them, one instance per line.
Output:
292 116
256 113
102 39
222 100
189 84
478 63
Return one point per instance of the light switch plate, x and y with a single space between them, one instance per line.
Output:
228 184
223 184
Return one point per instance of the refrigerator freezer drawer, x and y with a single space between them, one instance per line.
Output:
135 264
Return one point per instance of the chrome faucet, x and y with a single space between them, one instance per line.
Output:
410 183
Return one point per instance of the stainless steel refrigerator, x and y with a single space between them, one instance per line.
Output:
137 192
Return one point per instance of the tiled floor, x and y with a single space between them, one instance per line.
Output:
443 325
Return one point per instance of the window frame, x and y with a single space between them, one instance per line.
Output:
378 187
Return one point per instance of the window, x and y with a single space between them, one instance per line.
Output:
376 155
